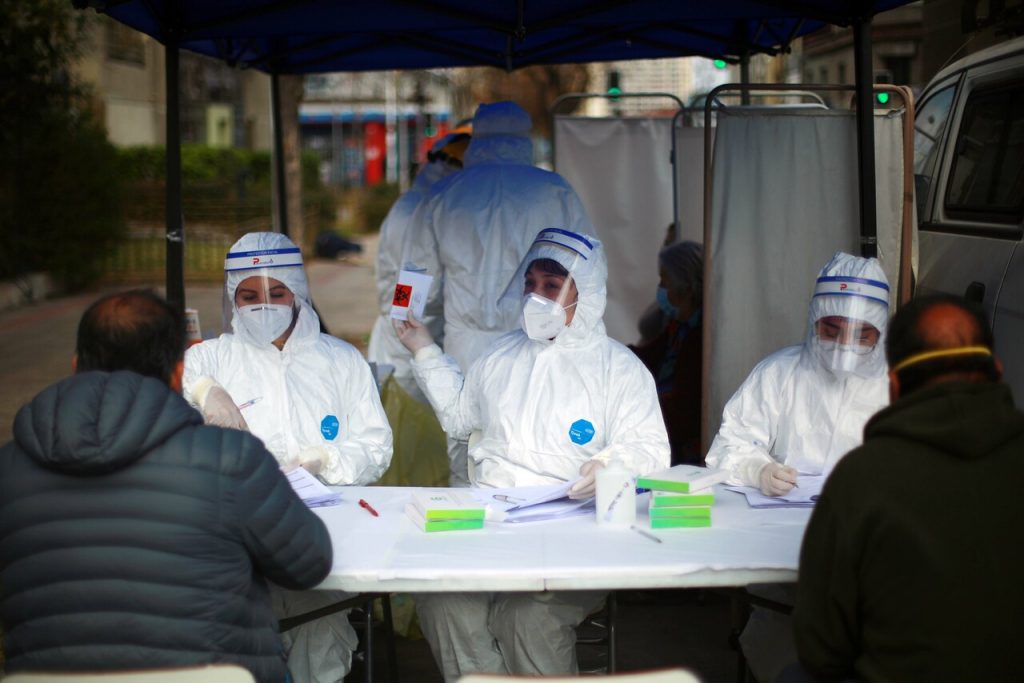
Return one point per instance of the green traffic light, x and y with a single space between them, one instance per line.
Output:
614 91
720 64
882 97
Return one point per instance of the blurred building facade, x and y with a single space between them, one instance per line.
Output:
373 127
220 106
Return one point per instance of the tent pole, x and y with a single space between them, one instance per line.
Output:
282 192
175 242
745 78
865 135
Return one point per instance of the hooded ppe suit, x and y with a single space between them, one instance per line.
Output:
473 233
384 346
796 410
312 402
805 408
538 411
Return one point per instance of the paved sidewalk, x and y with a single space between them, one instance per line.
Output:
38 340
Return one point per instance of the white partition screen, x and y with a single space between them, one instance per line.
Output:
621 169
785 198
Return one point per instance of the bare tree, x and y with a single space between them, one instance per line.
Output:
534 88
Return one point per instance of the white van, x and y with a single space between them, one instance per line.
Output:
969 187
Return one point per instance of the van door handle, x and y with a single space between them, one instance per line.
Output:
975 292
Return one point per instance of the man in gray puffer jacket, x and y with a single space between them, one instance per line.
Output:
132 535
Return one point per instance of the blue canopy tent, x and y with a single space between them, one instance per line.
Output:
310 36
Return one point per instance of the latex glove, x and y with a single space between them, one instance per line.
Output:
217 406
413 334
313 458
776 479
586 487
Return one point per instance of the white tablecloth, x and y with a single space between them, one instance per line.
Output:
388 553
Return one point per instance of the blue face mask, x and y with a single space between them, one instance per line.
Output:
665 305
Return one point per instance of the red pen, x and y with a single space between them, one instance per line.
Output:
369 508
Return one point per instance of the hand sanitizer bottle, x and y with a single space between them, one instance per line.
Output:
616 495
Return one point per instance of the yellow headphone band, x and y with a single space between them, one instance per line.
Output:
943 353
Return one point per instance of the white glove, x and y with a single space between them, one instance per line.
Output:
313 458
587 485
413 334
216 405
777 480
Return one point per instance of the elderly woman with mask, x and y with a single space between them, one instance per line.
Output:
310 397
674 355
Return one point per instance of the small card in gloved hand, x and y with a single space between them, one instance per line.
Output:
410 294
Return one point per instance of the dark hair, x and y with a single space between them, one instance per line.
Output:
907 337
135 330
548 266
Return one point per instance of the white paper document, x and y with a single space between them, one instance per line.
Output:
410 294
532 503
311 490
805 495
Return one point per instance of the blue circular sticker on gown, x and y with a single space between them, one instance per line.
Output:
581 431
329 427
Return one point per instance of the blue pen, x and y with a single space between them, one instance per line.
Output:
248 403
611 506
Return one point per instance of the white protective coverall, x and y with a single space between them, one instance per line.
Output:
475 230
384 346
314 401
541 409
797 410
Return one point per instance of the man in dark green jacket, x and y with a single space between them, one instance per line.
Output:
912 567
132 536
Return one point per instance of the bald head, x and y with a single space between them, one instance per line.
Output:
135 330
937 339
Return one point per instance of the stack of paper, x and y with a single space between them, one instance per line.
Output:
804 495
681 496
445 510
311 490
532 503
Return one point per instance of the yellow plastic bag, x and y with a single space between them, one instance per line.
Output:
420 455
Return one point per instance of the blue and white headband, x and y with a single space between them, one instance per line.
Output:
841 285
566 239
266 258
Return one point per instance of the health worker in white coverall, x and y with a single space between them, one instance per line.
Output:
444 159
310 397
545 403
802 409
473 233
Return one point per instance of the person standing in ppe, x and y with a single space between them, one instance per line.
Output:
802 409
473 233
444 159
548 402
674 356
308 396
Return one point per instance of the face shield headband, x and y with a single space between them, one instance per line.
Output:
848 319
266 321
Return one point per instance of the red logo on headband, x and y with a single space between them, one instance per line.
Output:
842 286
255 260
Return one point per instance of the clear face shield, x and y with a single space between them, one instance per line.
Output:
544 283
257 300
849 316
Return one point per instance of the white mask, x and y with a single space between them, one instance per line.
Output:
543 319
842 359
265 322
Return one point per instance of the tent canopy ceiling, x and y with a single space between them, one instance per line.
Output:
310 36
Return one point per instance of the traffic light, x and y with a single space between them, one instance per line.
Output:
613 85
720 64
882 97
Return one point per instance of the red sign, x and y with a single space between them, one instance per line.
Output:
403 294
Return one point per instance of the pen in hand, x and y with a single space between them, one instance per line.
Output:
369 508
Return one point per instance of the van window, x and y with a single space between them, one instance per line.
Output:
987 179
928 125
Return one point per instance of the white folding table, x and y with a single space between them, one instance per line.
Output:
389 553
